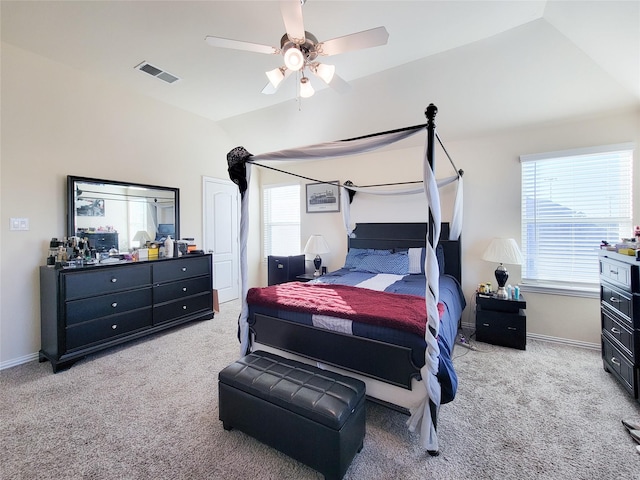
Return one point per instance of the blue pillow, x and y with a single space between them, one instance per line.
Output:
355 255
396 263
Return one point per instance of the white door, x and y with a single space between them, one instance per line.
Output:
221 207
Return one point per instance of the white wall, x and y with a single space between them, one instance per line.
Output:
491 205
56 122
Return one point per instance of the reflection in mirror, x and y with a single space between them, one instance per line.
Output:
119 215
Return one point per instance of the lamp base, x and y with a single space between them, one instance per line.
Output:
317 262
501 293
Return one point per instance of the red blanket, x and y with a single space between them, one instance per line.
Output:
402 312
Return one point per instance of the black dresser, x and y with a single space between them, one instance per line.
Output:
85 310
620 316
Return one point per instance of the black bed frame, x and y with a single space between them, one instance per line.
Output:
375 359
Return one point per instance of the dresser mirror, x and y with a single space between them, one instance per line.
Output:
121 215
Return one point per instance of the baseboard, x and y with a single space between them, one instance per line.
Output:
564 341
546 338
19 361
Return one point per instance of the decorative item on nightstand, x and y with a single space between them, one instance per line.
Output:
502 250
316 245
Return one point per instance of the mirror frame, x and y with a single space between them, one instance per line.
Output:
72 180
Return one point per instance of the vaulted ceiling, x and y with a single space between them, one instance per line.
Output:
487 65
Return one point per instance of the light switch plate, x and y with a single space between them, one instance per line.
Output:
19 224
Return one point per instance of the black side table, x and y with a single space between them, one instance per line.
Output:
305 277
501 322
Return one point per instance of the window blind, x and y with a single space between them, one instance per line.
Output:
281 220
571 201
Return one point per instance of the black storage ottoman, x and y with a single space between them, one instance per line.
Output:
313 415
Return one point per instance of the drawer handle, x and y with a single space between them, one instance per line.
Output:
114 304
511 328
184 307
614 300
114 326
184 269
485 324
184 289
615 331
613 272
615 361
114 280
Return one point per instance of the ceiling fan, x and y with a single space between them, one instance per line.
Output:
301 49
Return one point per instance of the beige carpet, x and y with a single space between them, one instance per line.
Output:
148 410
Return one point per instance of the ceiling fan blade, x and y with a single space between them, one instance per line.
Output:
269 89
339 84
355 41
293 22
239 45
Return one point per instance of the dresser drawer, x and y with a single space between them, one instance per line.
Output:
617 300
616 272
181 308
105 280
180 289
618 333
170 270
104 305
618 364
107 328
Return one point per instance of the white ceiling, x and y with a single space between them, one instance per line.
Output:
486 64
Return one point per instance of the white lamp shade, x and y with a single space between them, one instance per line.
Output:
141 236
325 72
316 245
306 90
275 76
503 250
293 59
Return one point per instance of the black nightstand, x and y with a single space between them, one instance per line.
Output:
305 277
501 322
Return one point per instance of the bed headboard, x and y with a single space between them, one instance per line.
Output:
408 235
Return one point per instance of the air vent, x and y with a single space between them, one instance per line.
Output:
156 72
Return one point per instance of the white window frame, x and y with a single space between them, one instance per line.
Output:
295 245
580 285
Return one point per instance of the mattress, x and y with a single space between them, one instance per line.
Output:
451 301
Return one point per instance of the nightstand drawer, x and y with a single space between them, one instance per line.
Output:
499 328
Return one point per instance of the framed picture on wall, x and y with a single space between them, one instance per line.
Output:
323 197
90 207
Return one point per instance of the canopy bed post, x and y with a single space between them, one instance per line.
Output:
430 113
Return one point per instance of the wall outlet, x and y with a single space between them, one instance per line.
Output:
19 224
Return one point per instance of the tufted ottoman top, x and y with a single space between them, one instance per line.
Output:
323 396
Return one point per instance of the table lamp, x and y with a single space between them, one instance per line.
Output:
142 237
316 245
502 250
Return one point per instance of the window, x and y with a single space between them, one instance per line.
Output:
571 201
281 217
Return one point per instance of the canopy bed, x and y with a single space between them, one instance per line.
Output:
406 365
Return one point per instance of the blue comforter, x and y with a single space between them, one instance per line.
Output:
451 297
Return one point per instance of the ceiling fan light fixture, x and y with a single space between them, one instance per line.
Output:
275 76
293 58
306 90
325 72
